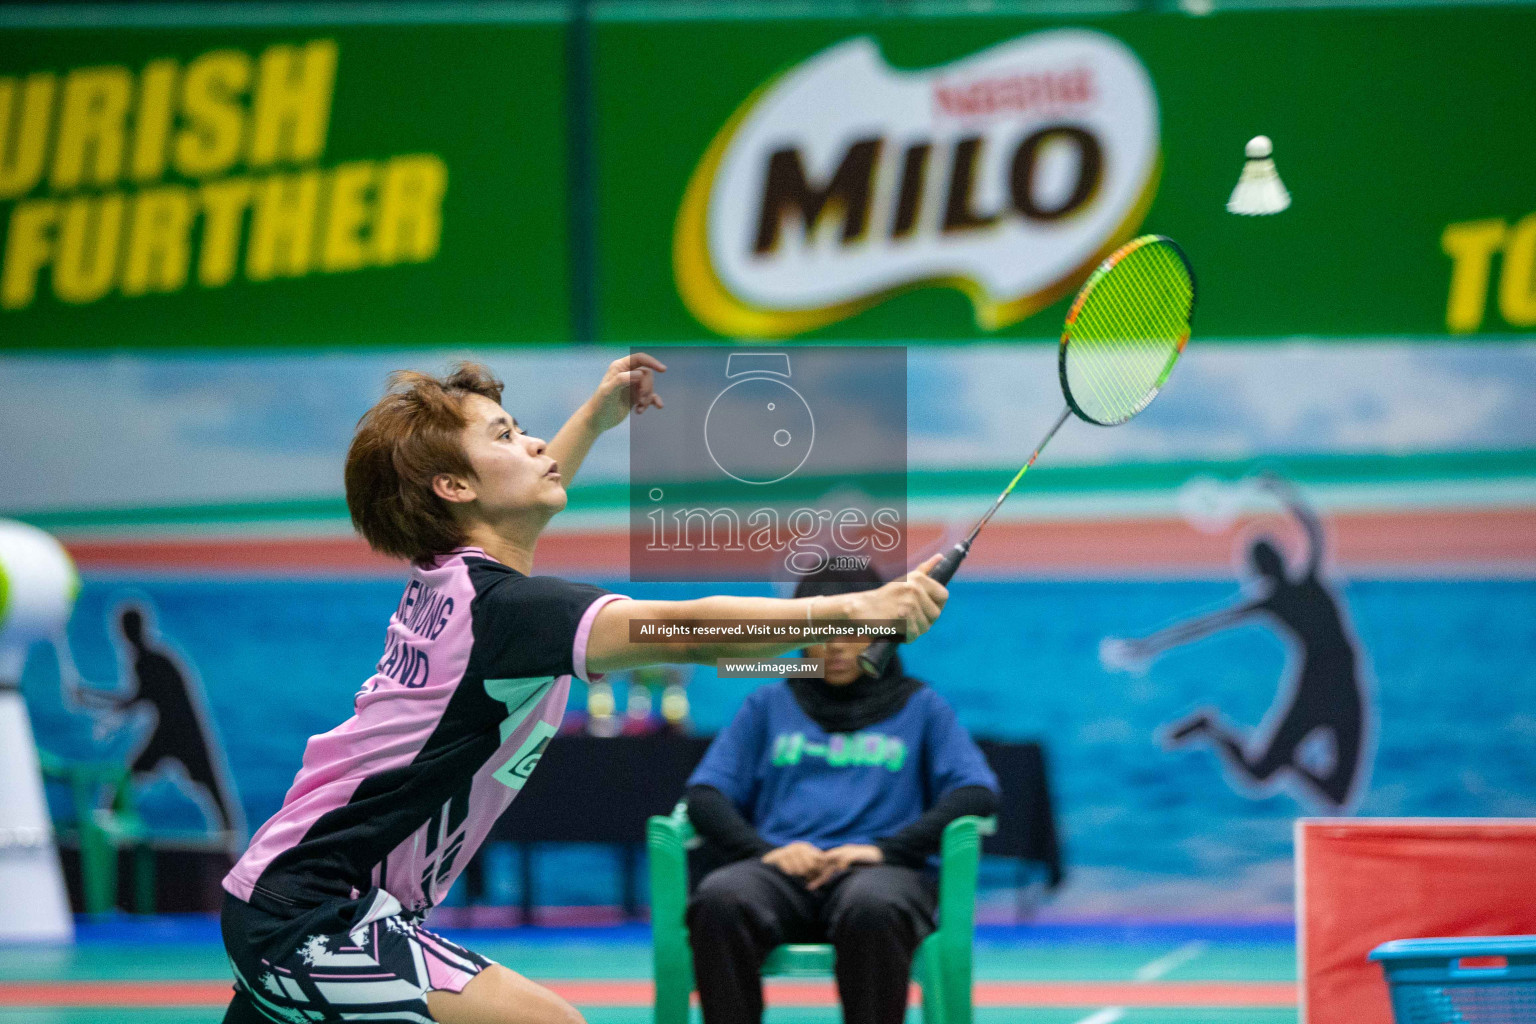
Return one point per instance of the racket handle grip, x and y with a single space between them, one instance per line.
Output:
945 570
878 654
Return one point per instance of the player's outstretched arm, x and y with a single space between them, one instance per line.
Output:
916 600
629 384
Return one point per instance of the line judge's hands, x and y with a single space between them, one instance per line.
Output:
800 859
916 600
841 858
629 383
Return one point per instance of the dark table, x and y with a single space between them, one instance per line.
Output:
595 790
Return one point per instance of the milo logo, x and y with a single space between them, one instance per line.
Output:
1008 175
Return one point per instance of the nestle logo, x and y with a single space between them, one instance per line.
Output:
1048 90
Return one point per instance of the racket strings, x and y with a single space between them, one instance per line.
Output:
1105 337
1127 333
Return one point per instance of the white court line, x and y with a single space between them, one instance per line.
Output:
1108 1015
1164 964
1149 971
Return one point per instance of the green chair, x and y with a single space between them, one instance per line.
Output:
942 966
106 820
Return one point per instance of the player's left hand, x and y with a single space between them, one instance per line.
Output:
628 384
841 858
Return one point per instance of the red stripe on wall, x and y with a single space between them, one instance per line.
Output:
1363 540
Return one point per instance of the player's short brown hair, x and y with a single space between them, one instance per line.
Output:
406 439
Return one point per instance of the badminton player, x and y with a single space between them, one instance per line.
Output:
323 917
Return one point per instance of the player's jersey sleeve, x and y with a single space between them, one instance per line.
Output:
527 626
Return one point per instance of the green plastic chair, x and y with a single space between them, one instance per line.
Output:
106 820
942 967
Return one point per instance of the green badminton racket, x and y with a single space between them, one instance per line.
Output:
1124 333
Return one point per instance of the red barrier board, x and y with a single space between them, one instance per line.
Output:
1363 882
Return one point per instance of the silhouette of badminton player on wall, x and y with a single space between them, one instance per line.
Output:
180 735
1321 729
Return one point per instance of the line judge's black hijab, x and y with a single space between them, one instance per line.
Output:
866 700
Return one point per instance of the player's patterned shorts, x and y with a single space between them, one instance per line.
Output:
353 960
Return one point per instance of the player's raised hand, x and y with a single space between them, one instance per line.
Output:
629 383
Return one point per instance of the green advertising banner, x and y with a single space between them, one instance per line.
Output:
295 183
956 177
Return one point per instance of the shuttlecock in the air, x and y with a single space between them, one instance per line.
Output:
1259 191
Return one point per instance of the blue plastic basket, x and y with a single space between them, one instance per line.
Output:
1430 984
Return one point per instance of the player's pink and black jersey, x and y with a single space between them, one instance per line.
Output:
473 682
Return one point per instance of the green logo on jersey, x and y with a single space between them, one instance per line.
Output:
521 696
516 771
842 750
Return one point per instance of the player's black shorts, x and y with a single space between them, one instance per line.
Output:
346 960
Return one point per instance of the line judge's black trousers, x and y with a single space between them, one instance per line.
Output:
875 915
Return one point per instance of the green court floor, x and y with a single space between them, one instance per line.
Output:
551 957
